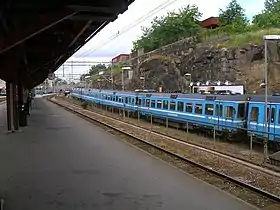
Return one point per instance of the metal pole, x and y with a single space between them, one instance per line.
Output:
266 90
71 75
112 77
122 81
251 145
190 83
214 136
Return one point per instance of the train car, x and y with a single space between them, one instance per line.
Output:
229 115
256 119
225 114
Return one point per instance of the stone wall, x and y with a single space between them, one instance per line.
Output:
206 61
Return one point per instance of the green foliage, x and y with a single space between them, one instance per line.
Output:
97 68
234 24
255 36
116 69
233 15
270 5
94 70
170 28
270 17
85 104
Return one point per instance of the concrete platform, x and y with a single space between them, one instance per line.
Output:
63 162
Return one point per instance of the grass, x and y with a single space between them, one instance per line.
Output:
252 37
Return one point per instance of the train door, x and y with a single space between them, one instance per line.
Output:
218 115
230 115
255 119
271 121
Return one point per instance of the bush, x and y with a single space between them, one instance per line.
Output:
84 104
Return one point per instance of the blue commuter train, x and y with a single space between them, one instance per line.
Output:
229 115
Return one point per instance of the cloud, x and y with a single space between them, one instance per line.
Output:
106 44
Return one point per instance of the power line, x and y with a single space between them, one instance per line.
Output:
140 20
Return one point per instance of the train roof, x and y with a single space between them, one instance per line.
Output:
261 98
247 97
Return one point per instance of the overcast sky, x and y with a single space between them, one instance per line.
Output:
103 47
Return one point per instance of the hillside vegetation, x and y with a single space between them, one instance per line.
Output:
234 24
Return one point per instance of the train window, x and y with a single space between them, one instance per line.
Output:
126 100
140 102
180 106
165 104
254 114
198 108
189 107
172 105
241 110
209 109
147 102
153 103
229 112
117 98
219 110
159 103
133 101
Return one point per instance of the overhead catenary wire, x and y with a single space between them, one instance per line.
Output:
129 27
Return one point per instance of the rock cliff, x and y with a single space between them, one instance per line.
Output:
206 61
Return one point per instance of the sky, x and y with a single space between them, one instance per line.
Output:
117 37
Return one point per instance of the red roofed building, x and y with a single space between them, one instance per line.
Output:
210 23
120 58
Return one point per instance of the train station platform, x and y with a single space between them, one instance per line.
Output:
61 161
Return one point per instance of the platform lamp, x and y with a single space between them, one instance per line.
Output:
267 38
189 75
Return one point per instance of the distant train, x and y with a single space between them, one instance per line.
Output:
230 116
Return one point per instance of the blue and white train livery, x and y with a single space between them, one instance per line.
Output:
228 115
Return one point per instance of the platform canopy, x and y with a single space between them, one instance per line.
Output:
36 37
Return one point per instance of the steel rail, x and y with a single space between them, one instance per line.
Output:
230 157
240 183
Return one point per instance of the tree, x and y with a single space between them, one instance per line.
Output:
270 5
234 14
170 28
97 68
270 17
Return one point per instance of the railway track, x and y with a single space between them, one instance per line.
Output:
254 195
221 154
